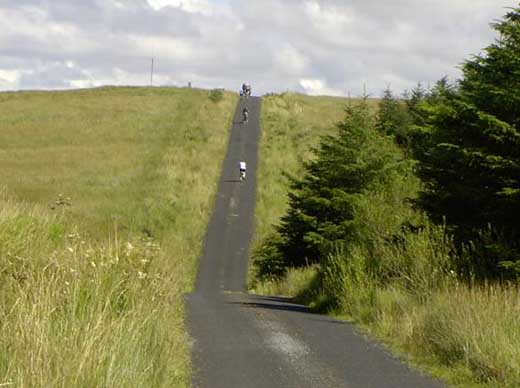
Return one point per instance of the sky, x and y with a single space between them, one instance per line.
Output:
318 47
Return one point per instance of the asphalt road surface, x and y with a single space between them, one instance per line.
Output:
241 340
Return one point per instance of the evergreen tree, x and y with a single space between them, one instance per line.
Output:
441 89
321 209
492 81
393 118
471 158
413 103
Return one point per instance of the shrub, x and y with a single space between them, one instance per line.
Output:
216 95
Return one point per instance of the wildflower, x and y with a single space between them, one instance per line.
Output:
70 249
141 275
93 264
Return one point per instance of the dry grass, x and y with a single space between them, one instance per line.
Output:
92 281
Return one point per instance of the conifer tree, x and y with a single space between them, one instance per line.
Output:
413 103
492 81
393 118
321 209
471 162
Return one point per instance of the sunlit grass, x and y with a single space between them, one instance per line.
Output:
468 335
106 198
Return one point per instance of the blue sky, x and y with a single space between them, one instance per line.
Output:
312 46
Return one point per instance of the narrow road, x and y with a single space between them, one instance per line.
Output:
241 340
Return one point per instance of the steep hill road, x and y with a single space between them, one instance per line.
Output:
242 340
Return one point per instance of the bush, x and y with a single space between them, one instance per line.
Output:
216 95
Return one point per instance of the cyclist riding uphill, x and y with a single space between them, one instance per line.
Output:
245 114
246 90
242 167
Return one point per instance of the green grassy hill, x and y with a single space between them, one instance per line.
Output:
105 196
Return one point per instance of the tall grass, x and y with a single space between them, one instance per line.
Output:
468 335
395 278
107 195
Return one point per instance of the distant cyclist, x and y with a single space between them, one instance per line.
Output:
242 167
245 114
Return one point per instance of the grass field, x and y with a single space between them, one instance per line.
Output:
105 199
467 334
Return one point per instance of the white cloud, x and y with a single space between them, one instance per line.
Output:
318 87
193 6
9 75
291 60
166 48
33 24
9 79
329 18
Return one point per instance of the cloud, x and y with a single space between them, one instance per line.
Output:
9 79
290 60
318 87
192 6
311 46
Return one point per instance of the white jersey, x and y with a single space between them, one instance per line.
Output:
243 166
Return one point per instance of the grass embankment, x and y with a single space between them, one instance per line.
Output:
106 197
469 335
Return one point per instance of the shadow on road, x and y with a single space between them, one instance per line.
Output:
277 303
272 303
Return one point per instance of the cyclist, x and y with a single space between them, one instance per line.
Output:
242 167
245 114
